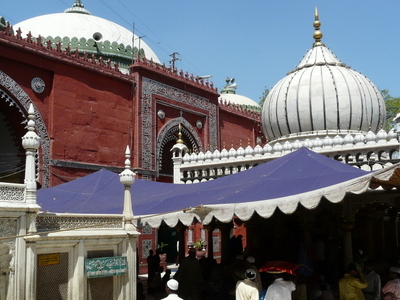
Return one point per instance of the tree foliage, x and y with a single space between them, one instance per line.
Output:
263 96
392 108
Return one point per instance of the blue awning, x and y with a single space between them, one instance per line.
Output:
301 177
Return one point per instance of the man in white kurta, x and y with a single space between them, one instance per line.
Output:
171 289
250 264
247 289
280 290
373 290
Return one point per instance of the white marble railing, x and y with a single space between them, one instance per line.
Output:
368 151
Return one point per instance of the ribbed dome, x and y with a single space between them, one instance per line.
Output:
78 23
321 94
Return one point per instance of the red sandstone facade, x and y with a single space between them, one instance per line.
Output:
89 111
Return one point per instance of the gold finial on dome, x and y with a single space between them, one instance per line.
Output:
179 141
317 33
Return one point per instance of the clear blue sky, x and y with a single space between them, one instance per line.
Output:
256 42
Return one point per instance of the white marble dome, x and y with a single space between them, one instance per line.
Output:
228 95
77 22
238 99
322 93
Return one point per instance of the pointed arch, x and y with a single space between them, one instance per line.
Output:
13 96
150 88
168 135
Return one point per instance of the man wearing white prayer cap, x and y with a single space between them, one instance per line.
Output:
250 264
246 289
172 290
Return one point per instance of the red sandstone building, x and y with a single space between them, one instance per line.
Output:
90 107
92 99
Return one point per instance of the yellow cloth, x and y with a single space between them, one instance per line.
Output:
350 288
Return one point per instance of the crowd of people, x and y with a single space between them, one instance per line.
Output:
358 284
240 279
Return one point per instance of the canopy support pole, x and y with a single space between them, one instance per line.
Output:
210 246
225 236
347 227
181 229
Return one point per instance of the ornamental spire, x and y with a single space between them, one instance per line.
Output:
178 151
127 178
31 143
179 141
317 33
230 87
77 7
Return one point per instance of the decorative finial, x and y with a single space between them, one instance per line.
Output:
127 177
77 7
317 33
230 87
78 3
179 141
31 141
127 158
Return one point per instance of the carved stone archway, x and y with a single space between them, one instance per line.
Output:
151 88
168 136
18 100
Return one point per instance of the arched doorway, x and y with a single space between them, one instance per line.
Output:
14 104
167 139
12 128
